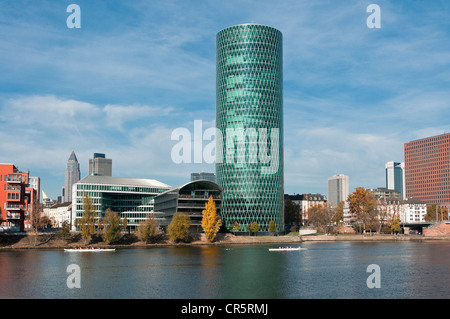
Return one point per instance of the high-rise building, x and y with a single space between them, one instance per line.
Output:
395 180
427 169
72 176
100 165
337 189
249 119
203 175
16 198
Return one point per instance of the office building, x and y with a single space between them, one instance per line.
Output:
395 177
72 176
206 176
131 198
427 170
100 165
16 198
337 189
190 199
249 116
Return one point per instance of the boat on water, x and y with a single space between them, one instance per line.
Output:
93 250
286 249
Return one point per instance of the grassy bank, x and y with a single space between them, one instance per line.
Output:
53 241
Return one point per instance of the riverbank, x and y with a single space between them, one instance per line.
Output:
52 240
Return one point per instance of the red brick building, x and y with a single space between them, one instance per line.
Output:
427 169
16 198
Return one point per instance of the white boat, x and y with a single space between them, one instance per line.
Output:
91 250
286 249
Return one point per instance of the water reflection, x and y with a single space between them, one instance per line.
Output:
325 270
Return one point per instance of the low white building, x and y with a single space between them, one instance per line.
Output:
59 213
413 211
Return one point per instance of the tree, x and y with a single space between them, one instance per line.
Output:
339 212
36 219
435 213
148 230
236 227
272 226
211 221
125 224
322 217
253 227
179 227
111 230
292 212
86 222
363 207
64 232
395 224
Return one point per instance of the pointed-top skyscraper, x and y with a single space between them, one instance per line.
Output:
73 175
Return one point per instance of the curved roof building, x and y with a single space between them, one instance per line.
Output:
191 199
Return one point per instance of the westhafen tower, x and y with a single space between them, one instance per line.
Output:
249 121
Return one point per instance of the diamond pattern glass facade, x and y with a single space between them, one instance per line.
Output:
249 116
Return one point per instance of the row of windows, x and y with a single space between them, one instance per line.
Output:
117 188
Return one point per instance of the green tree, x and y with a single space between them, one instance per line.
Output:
87 223
111 230
272 226
148 230
211 221
64 232
236 227
253 227
179 227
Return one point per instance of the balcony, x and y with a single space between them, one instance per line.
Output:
14 179
9 206
13 216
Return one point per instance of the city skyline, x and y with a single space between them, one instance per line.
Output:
135 72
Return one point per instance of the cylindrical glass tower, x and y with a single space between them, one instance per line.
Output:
249 119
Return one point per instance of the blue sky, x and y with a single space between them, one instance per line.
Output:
137 70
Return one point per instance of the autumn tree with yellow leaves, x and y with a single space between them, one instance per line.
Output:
211 220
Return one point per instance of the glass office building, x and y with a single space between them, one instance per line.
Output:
131 198
249 119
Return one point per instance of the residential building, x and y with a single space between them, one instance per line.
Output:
73 175
249 116
338 189
306 202
59 213
16 198
395 177
413 211
206 176
384 194
132 198
427 170
191 199
100 165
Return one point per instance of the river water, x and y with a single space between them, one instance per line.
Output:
323 270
